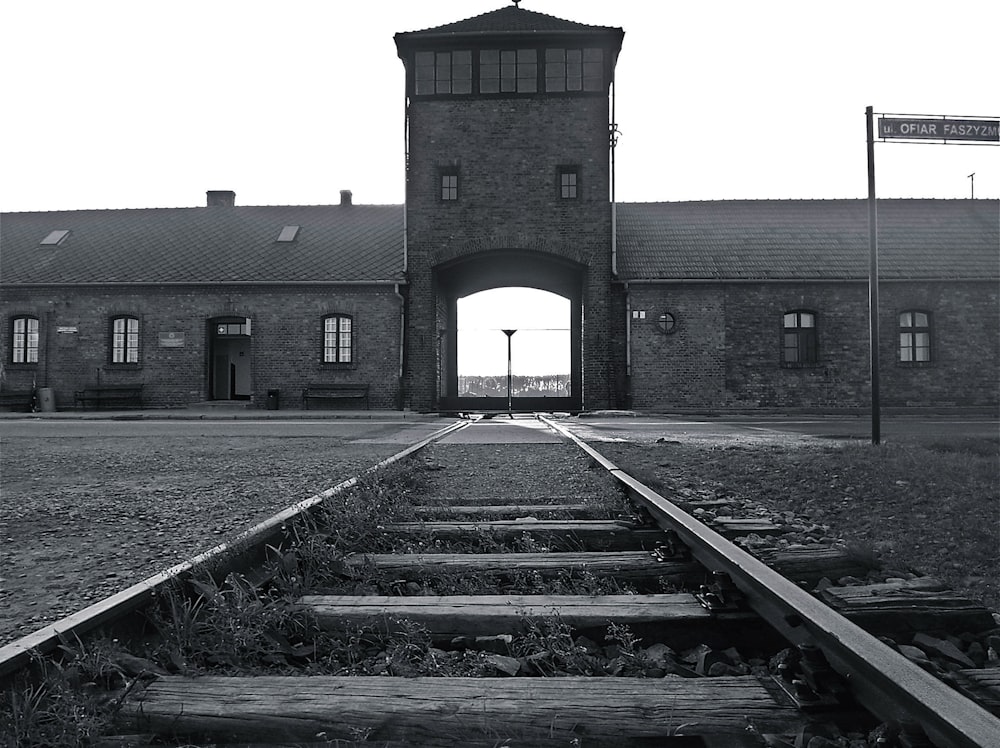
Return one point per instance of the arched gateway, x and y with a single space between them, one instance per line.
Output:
469 275
509 184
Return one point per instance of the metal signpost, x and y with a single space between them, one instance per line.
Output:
974 130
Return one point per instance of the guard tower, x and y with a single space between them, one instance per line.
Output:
508 183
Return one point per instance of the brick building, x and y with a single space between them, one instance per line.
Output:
674 306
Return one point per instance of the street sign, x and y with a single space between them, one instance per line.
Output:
926 128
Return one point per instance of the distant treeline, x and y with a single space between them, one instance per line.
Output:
548 385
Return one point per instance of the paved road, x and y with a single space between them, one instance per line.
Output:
893 429
521 429
402 432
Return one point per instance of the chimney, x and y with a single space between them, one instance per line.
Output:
221 199
345 197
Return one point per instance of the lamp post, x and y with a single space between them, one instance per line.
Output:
510 410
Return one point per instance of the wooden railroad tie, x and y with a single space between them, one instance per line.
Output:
508 511
603 535
922 604
448 616
452 711
806 565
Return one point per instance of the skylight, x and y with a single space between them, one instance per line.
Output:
288 234
55 237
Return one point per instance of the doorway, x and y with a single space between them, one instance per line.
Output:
514 342
545 351
230 371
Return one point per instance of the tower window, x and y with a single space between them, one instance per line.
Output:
574 70
443 72
508 71
449 185
568 182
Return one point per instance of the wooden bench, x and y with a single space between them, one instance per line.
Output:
335 392
110 394
17 399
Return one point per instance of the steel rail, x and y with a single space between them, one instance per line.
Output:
223 557
882 680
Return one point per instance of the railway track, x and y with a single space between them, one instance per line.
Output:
471 610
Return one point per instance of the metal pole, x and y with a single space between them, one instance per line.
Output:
510 376
873 278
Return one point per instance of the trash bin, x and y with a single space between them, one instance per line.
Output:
272 399
46 400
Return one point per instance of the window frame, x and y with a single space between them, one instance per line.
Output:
449 185
911 332
573 76
444 73
525 78
130 345
30 342
503 70
331 349
563 188
806 339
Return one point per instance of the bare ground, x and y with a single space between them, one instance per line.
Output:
83 518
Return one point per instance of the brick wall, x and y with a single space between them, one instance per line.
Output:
286 340
507 153
725 352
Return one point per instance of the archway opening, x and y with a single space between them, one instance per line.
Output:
533 357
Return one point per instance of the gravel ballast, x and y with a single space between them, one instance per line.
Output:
82 518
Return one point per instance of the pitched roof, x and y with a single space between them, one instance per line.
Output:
807 239
338 243
717 240
506 20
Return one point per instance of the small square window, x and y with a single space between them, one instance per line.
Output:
568 183
915 337
54 238
288 234
799 338
449 185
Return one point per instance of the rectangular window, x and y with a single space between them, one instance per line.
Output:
568 181
24 340
337 340
799 340
449 186
443 72
125 340
914 337
574 70
508 71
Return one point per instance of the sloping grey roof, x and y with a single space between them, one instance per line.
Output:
718 240
509 19
338 243
807 239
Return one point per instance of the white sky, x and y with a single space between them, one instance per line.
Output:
149 103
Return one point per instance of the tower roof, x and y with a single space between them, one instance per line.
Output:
505 22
